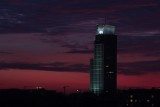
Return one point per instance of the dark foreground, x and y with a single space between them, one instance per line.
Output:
46 98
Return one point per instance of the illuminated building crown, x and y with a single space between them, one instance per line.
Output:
105 29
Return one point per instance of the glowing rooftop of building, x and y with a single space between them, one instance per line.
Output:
104 29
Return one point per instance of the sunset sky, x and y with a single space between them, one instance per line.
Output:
49 43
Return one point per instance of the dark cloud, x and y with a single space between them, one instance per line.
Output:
72 43
133 68
139 68
139 44
5 53
57 66
75 48
87 51
56 16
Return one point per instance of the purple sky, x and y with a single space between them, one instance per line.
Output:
56 36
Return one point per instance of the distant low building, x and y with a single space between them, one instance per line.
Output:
139 98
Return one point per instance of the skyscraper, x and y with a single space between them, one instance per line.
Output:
103 71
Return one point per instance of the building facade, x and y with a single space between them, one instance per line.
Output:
103 71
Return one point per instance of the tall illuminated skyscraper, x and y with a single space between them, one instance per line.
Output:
103 71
